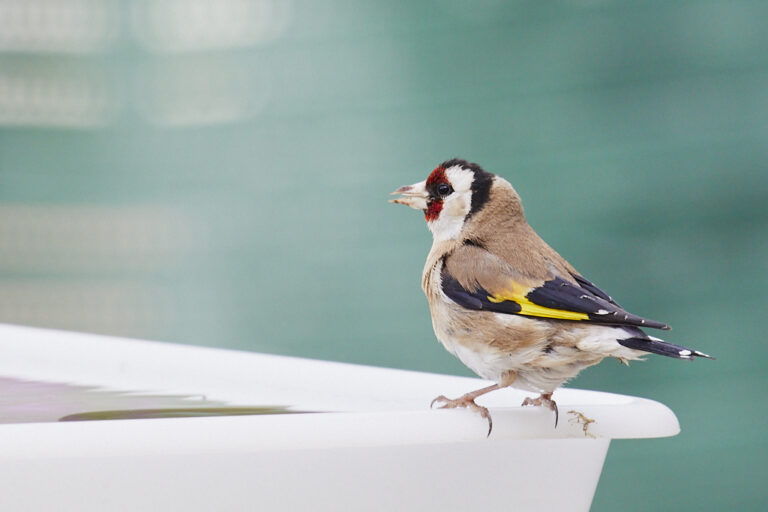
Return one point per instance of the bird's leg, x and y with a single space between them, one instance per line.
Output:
468 401
544 400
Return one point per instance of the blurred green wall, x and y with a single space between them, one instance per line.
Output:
216 173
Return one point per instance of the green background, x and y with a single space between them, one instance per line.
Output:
224 182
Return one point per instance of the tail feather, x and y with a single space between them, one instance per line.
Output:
657 346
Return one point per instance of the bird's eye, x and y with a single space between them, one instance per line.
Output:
444 189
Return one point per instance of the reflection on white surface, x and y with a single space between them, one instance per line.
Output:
58 26
189 25
32 401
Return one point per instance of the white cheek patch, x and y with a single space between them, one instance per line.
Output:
456 205
461 179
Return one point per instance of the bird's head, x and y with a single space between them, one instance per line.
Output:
453 192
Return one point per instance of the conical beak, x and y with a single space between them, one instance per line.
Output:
414 196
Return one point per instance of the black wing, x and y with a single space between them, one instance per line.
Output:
556 299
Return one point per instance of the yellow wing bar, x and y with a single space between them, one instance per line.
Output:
518 295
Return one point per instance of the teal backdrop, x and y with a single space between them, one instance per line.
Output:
217 173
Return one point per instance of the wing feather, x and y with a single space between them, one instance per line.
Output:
475 279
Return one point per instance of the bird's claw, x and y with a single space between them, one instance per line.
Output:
466 402
545 400
441 398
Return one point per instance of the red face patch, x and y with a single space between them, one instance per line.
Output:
437 176
435 206
433 210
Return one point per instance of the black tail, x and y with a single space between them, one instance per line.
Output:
658 346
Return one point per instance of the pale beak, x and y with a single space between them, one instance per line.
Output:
414 196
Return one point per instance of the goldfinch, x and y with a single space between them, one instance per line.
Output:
504 302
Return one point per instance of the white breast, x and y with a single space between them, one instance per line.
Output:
559 354
472 348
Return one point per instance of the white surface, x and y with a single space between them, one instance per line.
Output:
455 477
382 448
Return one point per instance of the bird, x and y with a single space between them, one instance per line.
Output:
505 303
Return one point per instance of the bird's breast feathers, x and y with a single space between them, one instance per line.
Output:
544 354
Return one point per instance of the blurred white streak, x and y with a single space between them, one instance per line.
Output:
170 26
201 90
127 307
93 239
46 94
107 269
58 26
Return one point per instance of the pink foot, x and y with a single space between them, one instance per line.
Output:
545 400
